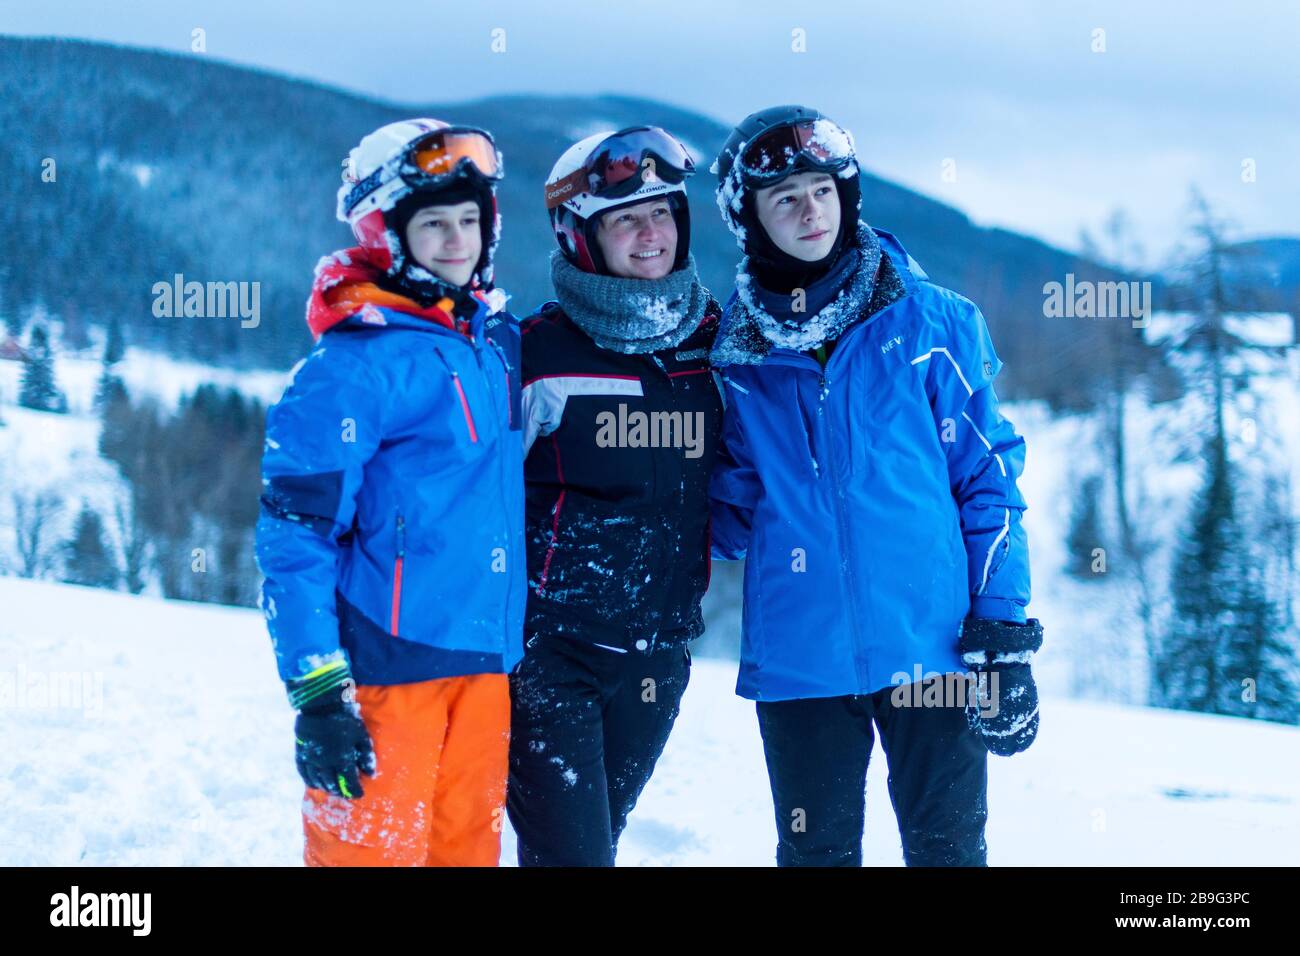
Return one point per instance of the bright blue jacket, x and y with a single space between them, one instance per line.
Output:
876 506
391 532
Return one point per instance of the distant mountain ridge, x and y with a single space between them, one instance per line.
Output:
169 163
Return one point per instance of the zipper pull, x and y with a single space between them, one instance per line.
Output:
401 535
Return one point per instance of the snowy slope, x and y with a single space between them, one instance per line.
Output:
176 750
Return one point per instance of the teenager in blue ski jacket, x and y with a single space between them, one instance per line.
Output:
391 529
869 481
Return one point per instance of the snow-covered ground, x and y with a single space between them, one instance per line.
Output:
171 745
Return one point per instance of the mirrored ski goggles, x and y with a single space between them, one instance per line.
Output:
812 144
619 167
441 152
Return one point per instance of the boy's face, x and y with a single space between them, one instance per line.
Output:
446 240
639 242
801 214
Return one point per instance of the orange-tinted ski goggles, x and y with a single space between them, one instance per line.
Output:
432 158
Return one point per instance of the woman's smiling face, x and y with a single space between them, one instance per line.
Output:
639 242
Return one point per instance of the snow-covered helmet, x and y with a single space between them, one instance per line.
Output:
609 170
418 158
767 146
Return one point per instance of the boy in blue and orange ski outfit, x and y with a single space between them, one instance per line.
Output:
390 533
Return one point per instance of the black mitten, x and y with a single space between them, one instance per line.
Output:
1005 712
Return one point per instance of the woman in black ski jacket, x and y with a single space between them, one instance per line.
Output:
621 420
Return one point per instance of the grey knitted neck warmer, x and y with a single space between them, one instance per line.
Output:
631 315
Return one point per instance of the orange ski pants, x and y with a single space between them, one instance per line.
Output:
438 794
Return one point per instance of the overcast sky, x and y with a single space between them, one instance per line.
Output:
1045 135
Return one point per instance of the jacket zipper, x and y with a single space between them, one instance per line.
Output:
842 524
505 477
505 372
397 573
837 494
473 435
505 473
842 521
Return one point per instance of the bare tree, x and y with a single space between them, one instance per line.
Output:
133 540
33 515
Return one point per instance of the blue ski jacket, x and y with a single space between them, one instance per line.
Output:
875 502
391 530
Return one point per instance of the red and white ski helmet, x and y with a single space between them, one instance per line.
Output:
609 170
417 156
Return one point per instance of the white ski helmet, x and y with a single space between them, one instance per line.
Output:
418 157
609 170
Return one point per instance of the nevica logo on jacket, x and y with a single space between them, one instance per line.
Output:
639 429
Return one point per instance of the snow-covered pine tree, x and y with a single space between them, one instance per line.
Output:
1230 647
87 558
114 343
13 322
38 389
1190 667
110 383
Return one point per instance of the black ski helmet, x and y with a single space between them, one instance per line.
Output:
736 184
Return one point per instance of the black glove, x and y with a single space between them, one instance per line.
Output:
1005 713
333 745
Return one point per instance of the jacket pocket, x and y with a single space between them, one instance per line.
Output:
464 405
461 397
397 574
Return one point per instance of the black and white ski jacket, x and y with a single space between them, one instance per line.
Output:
619 453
